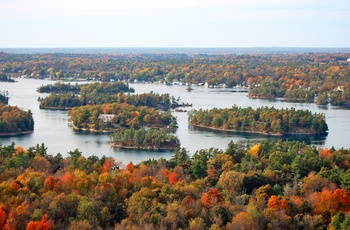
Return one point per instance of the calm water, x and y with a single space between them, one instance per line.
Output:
51 127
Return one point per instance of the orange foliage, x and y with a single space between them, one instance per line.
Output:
20 149
44 224
166 172
15 185
331 201
325 153
277 204
108 165
211 198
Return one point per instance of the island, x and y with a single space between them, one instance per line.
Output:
69 100
263 120
67 96
144 139
116 116
14 121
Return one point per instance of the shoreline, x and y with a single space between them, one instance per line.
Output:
16 133
255 132
113 144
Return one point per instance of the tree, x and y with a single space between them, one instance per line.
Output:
44 224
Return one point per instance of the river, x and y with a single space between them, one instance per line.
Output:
51 127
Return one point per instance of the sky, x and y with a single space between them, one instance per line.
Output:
174 23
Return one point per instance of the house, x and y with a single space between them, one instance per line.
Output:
106 117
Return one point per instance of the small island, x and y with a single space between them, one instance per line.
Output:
144 139
66 96
116 116
263 120
14 121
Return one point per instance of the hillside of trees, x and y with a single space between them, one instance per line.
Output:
14 121
144 139
264 120
294 76
125 116
265 185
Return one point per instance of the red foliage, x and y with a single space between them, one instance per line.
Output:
130 167
44 224
173 178
166 172
2 217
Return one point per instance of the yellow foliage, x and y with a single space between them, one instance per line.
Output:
254 150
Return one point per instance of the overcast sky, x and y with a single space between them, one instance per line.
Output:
174 23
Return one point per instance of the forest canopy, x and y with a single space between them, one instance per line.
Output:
263 185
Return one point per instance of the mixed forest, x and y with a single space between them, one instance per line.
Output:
14 121
264 185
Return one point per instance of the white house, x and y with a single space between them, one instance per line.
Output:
106 117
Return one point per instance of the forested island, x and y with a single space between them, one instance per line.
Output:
14 121
69 100
64 96
115 116
263 185
144 139
263 120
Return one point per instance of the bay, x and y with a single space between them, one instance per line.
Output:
51 127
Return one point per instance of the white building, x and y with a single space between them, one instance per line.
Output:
106 117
